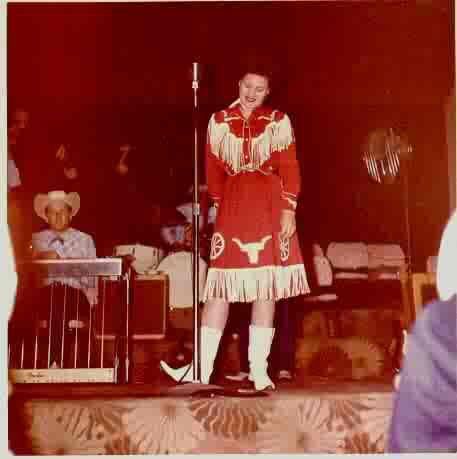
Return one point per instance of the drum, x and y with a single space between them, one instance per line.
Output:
146 258
178 266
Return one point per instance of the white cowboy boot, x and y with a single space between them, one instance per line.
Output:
260 339
209 344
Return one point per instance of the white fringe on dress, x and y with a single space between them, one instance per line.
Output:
250 284
226 146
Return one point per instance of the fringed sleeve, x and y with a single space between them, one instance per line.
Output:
288 167
215 170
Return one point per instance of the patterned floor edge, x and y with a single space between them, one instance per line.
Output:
324 418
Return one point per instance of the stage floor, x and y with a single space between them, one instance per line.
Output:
310 415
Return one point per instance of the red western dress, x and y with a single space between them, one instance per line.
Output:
252 175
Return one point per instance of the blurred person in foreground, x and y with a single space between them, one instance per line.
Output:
8 272
424 416
9 278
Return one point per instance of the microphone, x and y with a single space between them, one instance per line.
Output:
195 72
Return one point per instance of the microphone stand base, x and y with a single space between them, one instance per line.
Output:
197 389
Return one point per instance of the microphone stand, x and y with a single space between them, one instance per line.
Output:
195 387
405 187
195 233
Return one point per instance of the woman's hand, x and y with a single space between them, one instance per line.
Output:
288 224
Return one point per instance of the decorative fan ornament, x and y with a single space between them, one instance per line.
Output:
305 349
382 151
330 361
367 357
314 325
230 418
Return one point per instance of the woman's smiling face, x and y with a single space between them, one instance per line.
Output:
253 91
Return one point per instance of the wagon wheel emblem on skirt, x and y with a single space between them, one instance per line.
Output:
217 246
284 248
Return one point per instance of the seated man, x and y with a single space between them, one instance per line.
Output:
177 229
71 296
425 407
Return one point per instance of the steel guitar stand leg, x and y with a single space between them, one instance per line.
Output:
127 326
121 351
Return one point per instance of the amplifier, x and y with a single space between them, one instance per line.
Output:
150 304
149 307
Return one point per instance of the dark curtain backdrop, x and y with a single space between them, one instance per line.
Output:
96 75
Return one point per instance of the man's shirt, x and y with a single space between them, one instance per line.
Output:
70 244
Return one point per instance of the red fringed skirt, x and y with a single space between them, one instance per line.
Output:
249 259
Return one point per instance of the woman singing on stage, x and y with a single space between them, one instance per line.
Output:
253 177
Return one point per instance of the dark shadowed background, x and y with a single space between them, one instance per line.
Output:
95 75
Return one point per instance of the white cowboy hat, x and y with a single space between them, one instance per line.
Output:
42 201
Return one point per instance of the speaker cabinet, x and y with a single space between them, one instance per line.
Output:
150 305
